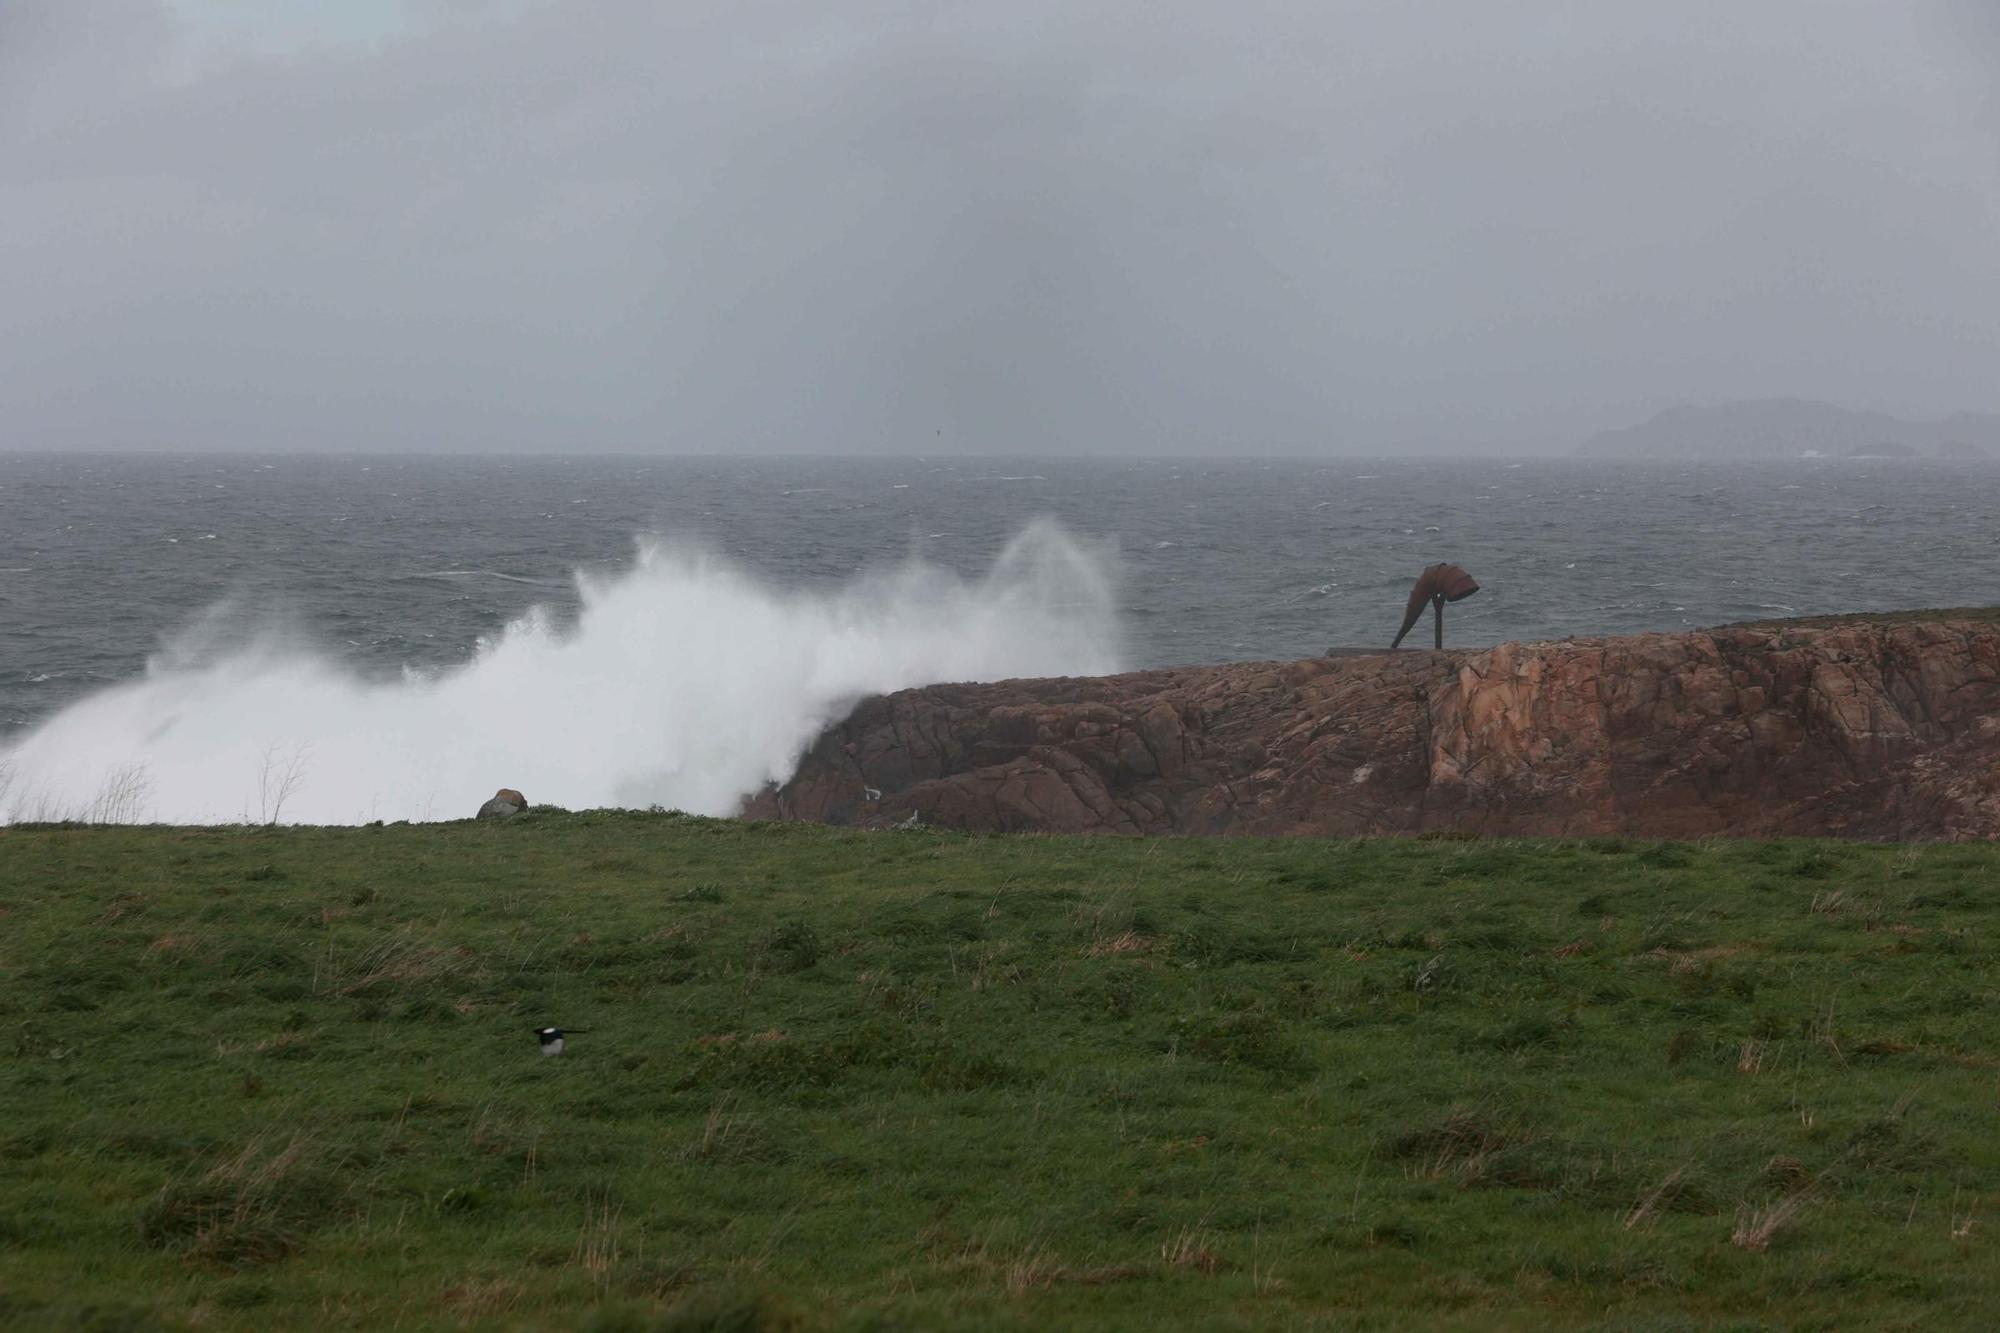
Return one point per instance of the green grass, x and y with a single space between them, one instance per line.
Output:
256 1078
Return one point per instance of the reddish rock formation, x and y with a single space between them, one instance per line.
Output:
1867 730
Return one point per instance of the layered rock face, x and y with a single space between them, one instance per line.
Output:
1863 730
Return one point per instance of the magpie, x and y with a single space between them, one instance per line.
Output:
552 1039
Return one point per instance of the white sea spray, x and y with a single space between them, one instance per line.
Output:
683 682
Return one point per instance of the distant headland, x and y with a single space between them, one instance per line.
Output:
1796 428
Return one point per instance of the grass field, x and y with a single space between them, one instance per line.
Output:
264 1078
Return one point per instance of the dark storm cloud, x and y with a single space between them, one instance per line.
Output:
1024 226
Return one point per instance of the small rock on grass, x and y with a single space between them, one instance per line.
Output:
506 803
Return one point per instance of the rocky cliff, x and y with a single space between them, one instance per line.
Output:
1865 729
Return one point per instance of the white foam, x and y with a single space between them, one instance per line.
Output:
683 682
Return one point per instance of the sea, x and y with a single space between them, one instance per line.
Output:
229 638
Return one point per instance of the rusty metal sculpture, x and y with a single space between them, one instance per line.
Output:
1437 585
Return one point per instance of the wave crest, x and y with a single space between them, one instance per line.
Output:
683 682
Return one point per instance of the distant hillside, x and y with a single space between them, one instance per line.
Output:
1795 428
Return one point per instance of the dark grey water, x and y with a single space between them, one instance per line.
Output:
387 563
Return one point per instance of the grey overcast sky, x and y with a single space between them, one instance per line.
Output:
1034 226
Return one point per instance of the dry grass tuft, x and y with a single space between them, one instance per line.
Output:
174 945
1466 1144
598 1244
1756 1228
1961 1225
1680 962
1193 1247
716 1130
727 1135
1648 1208
1130 941
254 1206
1787 1173
1883 1046
120 907
1031 1268
480 1298
718 1040
281 1044
401 961
505 1134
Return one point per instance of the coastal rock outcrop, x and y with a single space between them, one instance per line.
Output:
1863 729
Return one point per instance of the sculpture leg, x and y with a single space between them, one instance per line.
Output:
1437 612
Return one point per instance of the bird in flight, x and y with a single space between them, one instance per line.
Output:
552 1039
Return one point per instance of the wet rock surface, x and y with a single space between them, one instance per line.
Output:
1861 729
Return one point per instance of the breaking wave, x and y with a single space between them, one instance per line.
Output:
682 682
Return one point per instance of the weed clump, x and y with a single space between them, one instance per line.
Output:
1523 1032
702 1312
793 947
1476 1147
1250 1038
1685 1189
1756 1228
1665 856
255 1206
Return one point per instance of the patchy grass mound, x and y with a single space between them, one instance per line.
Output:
818 1079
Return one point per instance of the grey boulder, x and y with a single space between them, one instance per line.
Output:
506 803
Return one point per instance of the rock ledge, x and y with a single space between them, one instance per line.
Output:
1875 729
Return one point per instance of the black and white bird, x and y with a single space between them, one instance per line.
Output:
552 1039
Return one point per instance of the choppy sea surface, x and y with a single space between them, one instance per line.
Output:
387 573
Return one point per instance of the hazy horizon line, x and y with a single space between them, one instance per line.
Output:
1011 459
